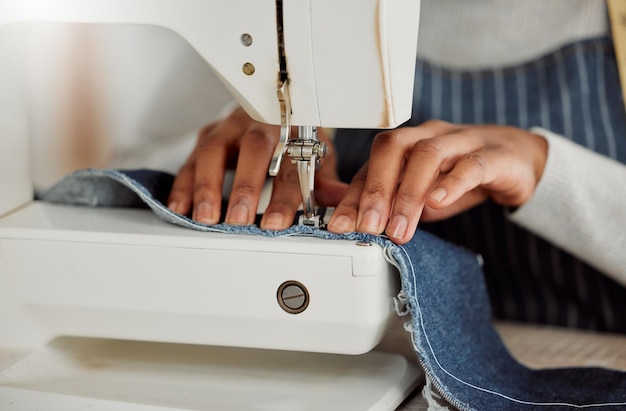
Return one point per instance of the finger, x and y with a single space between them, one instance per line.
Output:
345 215
386 165
509 180
426 161
285 200
181 195
384 168
255 154
211 157
469 172
467 201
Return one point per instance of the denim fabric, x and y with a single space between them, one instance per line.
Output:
445 294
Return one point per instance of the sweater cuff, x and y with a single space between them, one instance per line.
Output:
575 205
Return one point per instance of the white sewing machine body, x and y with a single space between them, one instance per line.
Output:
123 274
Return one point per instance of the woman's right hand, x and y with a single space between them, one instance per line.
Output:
247 145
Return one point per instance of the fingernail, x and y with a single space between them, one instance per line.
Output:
238 215
204 213
438 194
397 227
341 224
173 206
273 221
370 222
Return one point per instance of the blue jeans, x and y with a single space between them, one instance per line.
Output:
450 325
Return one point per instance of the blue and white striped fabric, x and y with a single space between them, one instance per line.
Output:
573 92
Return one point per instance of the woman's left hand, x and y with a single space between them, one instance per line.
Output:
436 170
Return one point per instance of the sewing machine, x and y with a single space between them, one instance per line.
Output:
98 307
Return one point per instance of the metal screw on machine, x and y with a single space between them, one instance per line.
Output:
293 297
246 39
248 69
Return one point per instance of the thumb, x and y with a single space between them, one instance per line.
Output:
467 201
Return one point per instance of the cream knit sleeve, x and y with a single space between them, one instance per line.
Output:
580 205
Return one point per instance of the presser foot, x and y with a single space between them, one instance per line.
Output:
319 218
305 152
314 220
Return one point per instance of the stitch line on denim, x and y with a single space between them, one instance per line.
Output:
485 390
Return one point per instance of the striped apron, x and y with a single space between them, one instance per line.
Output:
573 92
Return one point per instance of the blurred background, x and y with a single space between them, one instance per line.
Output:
112 96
